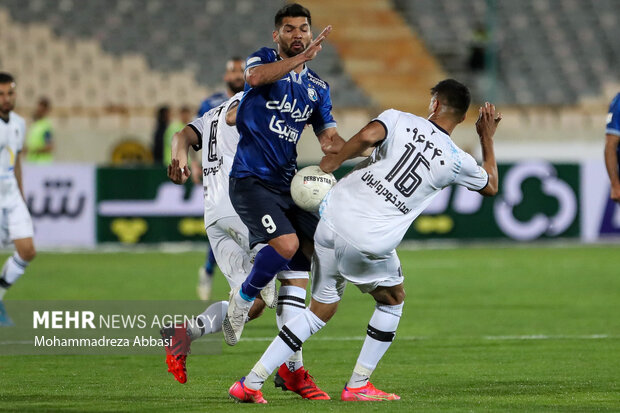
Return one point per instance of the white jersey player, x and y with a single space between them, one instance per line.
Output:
215 133
366 215
15 221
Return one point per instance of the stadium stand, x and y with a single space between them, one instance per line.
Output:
107 65
380 51
548 51
194 39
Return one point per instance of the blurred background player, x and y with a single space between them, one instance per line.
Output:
162 120
15 221
216 134
39 142
185 117
612 147
233 77
282 96
414 160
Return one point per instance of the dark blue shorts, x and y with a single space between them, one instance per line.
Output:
268 212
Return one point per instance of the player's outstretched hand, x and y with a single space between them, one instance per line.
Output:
177 174
487 122
315 47
330 163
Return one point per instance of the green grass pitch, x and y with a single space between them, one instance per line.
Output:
483 329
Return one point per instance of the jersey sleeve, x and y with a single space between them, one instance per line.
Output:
322 118
613 117
198 126
471 175
388 120
260 57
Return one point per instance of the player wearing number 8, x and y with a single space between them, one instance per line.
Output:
414 158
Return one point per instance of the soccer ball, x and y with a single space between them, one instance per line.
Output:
309 186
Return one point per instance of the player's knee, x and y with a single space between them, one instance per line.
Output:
399 296
287 247
27 253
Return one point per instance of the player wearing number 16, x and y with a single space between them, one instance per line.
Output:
355 242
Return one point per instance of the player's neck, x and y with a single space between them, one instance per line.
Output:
446 124
5 116
298 69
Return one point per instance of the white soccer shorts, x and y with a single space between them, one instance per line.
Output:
336 262
15 223
229 240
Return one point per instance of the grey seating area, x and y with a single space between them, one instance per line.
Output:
190 34
548 51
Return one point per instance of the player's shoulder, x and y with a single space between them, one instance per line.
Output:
262 55
17 118
314 78
615 103
396 115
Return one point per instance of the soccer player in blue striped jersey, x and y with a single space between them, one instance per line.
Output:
612 147
282 96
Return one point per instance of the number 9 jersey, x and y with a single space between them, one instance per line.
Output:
374 205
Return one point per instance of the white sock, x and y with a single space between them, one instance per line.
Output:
380 333
291 302
209 321
288 341
13 268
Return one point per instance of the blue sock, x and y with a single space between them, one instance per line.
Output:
211 263
266 265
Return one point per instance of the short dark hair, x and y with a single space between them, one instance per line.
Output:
292 10
454 95
45 102
6 78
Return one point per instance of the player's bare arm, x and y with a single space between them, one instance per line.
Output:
486 125
272 72
611 163
195 166
330 140
356 146
178 171
231 114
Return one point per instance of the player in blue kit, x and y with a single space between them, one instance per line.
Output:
612 147
282 96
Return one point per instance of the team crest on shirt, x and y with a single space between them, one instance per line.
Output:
312 94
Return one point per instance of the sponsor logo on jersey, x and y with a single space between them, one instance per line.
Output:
283 130
317 81
285 106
